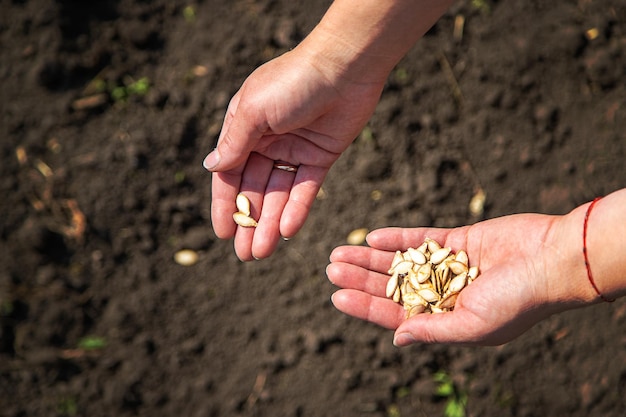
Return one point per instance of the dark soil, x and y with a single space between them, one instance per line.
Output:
97 196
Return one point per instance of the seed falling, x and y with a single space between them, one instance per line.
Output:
429 278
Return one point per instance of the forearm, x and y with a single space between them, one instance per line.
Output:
364 39
606 238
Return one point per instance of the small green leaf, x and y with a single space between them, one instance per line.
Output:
393 411
139 87
189 13
119 93
454 409
92 343
67 407
445 390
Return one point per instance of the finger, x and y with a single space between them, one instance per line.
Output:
213 158
396 238
457 327
380 311
267 233
364 257
225 186
350 276
305 188
242 129
230 114
253 184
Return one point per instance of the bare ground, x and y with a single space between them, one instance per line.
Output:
98 320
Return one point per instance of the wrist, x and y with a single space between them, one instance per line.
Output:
362 40
606 235
588 268
568 281
343 61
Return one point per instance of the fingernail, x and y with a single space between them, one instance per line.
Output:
403 339
211 160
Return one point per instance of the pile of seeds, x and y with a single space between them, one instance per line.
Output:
429 278
242 217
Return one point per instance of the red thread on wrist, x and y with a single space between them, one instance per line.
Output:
589 274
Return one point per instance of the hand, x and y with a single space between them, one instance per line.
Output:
523 261
296 109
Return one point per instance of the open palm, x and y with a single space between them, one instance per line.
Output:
517 286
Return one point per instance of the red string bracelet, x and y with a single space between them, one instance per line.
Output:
589 274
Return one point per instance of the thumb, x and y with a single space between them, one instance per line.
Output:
240 133
427 328
457 327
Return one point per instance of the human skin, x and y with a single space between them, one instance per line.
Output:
532 266
305 108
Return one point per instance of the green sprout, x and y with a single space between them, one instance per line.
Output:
456 398
366 139
401 75
67 406
139 87
482 6
393 411
121 93
98 85
179 177
189 13
92 343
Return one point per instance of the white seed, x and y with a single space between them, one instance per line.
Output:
433 245
417 309
472 273
477 203
429 295
413 299
357 236
243 204
397 295
242 220
186 257
417 256
428 278
397 258
414 280
406 287
403 267
444 277
423 273
392 285
462 257
439 255
447 302
457 267
458 283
